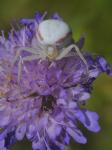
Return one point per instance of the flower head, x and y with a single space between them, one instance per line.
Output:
41 98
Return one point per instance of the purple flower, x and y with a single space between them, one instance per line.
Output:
45 104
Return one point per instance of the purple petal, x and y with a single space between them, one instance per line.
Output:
4 120
77 135
20 131
26 21
89 59
10 139
31 131
56 16
88 119
2 145
102 62
59 145
3 134
66 139
84 96
38 17
81 42
53 131
38 144
93 73
104 65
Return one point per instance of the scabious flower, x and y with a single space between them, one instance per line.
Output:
45 105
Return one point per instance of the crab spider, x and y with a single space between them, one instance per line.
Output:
53 37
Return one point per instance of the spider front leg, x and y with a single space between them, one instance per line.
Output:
81 56
19 68
65 51
36 54
21 62
27 49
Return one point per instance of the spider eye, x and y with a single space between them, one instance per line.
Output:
51 31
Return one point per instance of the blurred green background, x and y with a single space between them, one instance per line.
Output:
94 19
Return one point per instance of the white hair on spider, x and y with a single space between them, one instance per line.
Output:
50 35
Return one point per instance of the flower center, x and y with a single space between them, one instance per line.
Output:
48 103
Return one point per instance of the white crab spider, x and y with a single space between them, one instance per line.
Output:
50 35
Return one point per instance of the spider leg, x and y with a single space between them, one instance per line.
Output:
21 62
15 58
19 49
80 55
36 54
19 69
31 57
65 51
28 49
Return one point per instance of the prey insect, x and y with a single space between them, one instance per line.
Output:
54 43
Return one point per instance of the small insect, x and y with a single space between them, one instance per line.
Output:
54 42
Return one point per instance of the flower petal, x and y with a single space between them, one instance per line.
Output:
77 135
20 131
88 119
